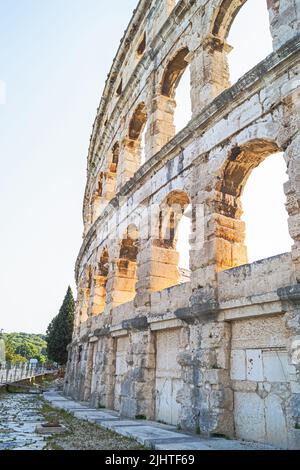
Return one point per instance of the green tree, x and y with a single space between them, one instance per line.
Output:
59 331
21 347
11 356
27 350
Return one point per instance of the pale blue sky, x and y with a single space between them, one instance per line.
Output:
54 59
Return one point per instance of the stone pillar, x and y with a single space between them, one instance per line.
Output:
206 396
157 270
110 371
124 282
77 318
85 302
130 158
218 233
88 371
98 295
225 242
98 205
109 185
69 377
95 400
284 20
292 191
161 125
87 218
81 371
209 72
138 399
103 372
121 279
290 297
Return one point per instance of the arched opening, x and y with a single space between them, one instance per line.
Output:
176 86
126 274
100 281
242 163
244 25
263 202
173 239
115 158
97 199
134 152
183 110
137 122
100 184
142 46
174 72
250 37
111 174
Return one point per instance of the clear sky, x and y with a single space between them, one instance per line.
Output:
54 59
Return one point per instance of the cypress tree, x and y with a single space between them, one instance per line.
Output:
59 331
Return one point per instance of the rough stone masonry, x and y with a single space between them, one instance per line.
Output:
215 350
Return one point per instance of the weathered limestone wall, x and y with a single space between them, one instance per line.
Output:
218 353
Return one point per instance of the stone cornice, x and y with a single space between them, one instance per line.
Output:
290 293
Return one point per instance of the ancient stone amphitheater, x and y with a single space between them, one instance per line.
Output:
215 349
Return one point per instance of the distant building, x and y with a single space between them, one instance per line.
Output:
33 361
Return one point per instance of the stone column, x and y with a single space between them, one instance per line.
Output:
98 295
284 20
206 396
218 233
85 302
124 282
161 122
130 158
77 318
209 72
225 242
98 205
89 371
157 270
292 191
290 297
139 382
81 371
110 371
109 185
121 279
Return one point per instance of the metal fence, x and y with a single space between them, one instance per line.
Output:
10 373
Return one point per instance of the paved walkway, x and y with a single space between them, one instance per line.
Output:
151 434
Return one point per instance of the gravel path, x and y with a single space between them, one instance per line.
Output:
20 414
